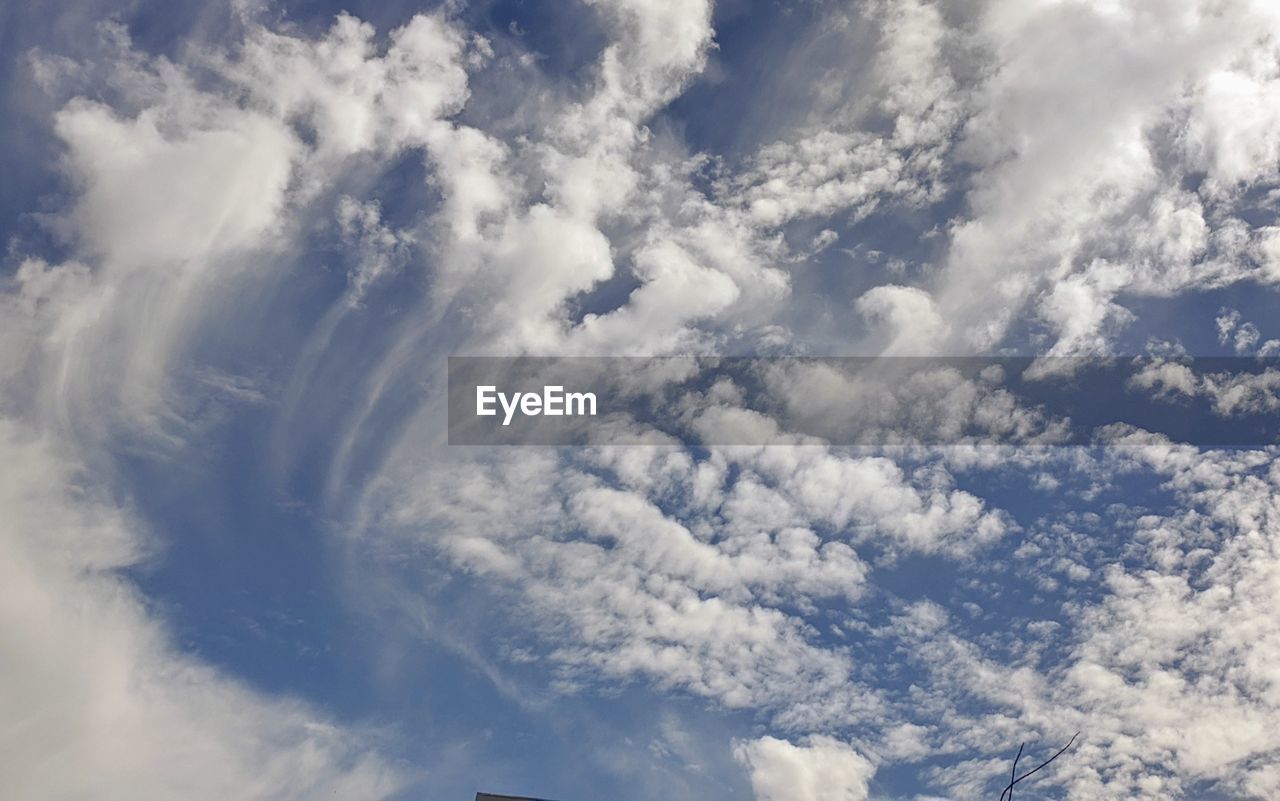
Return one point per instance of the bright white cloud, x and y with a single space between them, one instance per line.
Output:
821 768
98 701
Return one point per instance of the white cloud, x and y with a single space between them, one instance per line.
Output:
1166 672
1229 393
645 593
1233 135
824 169
353 97
381 250
98 701
820 769
902 400
154 201
1069 137
909 317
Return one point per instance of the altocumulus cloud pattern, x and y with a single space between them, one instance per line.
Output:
239 559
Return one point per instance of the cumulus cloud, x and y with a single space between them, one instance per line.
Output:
1229 393
1156 674
908 315
823 170
821 768
1068 220
645 593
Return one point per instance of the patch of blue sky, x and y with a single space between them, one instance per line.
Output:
251 582
758 87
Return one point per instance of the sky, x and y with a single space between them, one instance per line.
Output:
240 560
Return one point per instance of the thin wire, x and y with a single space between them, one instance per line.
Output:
1008 790
1013 774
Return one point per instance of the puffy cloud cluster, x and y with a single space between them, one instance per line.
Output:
695 574
1229 393
1163 665
824 171
1172 666
821 768
1083 141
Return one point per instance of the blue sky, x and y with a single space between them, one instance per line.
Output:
239 560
